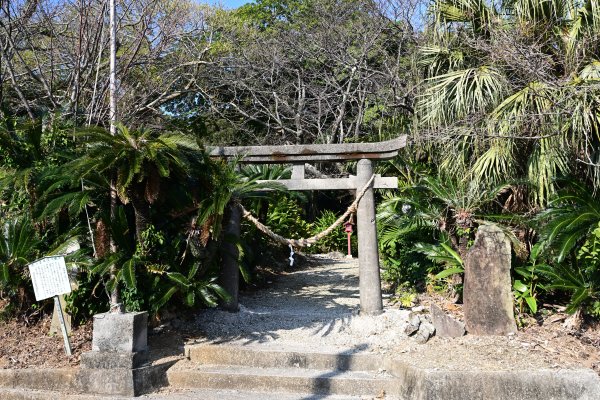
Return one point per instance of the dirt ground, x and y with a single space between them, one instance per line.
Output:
542 343
28 345
316 307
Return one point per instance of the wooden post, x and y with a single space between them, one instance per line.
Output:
230 272
368 252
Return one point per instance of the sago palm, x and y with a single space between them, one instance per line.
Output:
138 160
573 214
18 246
446 205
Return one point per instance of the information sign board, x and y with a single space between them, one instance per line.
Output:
49 277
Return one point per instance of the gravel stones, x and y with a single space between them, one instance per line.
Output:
419 327
311 309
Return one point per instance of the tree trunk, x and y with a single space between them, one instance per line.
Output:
115 296
463 242
141 211
113 68
457 279
230 270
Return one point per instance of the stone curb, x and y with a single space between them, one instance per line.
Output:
83 381
60 379
27 394
423 384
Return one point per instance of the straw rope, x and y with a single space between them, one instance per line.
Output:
313 239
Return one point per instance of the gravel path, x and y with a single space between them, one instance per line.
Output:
312 309
316 309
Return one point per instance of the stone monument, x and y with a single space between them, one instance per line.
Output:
487 295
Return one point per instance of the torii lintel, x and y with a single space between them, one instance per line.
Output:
301 153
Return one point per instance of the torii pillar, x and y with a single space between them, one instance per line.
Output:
368 250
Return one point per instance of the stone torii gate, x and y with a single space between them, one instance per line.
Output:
298 156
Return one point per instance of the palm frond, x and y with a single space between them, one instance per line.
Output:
496 165
478 13
440 60
454 95
441 254
542 12
546 163
528 106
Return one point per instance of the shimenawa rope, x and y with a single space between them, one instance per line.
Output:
313 239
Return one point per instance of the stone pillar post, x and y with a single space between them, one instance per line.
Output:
230 272
368 252
487 295
118 359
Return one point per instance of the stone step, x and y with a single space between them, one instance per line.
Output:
213 394
255 356
191 375
29 394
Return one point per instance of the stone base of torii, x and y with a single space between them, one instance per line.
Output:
298 155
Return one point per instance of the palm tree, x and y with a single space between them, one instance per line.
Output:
139 159
131 166
514 84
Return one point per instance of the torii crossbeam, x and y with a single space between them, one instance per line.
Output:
298 155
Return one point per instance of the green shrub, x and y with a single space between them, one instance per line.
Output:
580 277
402 264
337 240
19 245
571 238
286 217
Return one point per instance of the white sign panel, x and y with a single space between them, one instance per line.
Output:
49 277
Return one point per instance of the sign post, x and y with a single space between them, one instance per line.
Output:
63 326
50 279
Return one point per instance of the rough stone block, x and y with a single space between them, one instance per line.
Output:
120 332
445 325
413 324
425 332
114 382
487 295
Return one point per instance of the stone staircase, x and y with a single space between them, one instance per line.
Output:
263 372
298 375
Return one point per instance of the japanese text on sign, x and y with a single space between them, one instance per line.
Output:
49 277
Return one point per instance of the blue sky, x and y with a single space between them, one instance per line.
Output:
229 3
235 3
